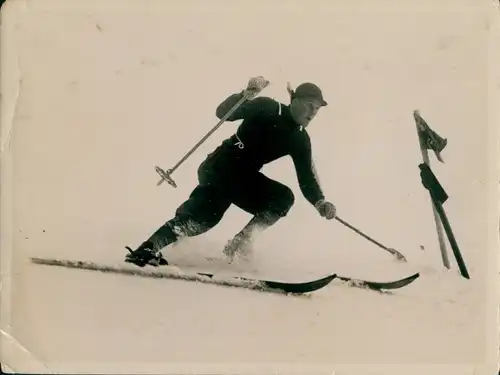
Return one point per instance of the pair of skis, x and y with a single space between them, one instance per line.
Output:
235 281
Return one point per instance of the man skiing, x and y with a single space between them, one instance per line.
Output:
231 173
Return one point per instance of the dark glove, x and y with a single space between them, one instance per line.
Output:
326 209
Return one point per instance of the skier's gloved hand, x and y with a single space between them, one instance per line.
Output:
326 209
255 86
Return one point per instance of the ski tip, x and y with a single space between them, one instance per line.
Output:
414 276
330 277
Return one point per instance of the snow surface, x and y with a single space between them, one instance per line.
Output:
108 91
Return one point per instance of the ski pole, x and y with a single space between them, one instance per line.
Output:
394 252
166 174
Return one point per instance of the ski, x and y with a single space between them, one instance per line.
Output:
367 284
379 285
176 272
166 272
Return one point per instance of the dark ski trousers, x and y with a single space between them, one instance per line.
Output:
253 192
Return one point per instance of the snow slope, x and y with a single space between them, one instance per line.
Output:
114 319
126 87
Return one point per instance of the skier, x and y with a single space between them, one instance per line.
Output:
231 173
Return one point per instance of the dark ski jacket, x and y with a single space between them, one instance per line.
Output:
267 133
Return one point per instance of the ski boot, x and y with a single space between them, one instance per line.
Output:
145 255
240 244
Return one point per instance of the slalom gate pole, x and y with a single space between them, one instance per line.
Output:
439 197
451 237
394 252
421 127
166 174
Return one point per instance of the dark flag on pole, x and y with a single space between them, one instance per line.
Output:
429 138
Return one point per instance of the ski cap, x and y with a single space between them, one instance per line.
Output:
309 90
